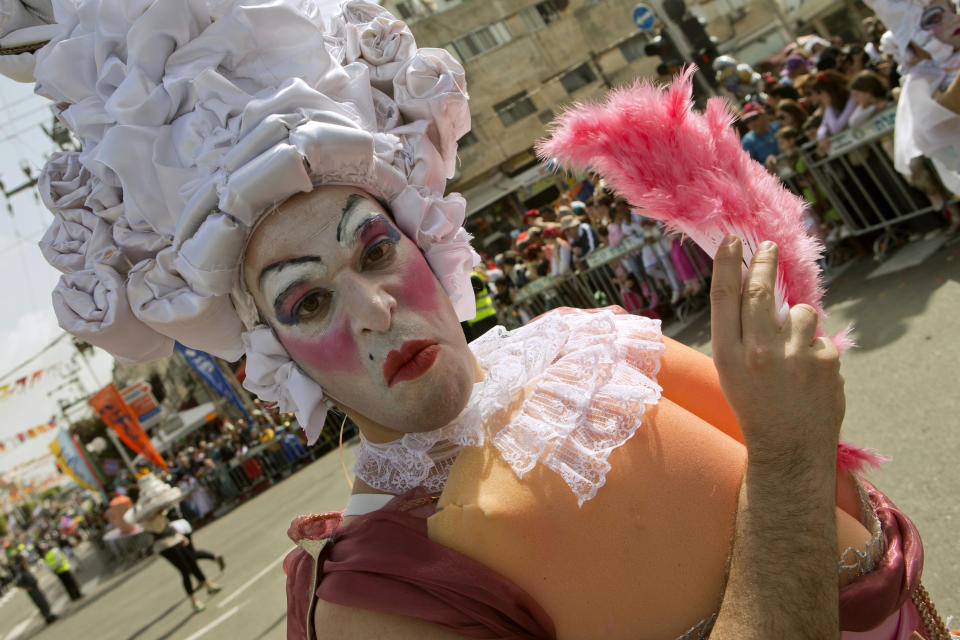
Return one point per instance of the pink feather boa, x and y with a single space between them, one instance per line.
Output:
688 170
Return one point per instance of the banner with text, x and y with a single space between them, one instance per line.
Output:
206 367
118 416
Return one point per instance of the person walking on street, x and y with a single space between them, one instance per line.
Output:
172 545
58 563
28 582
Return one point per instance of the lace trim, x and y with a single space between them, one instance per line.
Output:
853 562
595 371
701 630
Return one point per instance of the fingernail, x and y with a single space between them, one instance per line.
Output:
730 239
767 245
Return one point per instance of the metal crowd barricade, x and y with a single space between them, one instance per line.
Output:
270 462
859 180
596 287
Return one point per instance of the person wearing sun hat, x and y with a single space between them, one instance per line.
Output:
761 139
793 67
266 178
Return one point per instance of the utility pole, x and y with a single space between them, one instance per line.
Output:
60 136
782 19
671 13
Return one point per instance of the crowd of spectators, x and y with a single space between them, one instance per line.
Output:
654 274
817 91
201 462
790 108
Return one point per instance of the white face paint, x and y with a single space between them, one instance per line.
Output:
356 306
940 18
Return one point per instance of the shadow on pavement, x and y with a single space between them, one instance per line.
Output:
170 634
160 617
131 573
272 627
880 308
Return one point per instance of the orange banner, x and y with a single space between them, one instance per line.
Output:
118 416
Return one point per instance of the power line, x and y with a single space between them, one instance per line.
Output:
31 96
33 357
18 132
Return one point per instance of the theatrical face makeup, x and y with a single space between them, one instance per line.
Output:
357 307
940 18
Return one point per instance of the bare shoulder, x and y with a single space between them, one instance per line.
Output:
350 623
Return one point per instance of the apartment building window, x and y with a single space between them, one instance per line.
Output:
452 50
532 20
635 47
482 40
468 139
549 10
578 77
515 108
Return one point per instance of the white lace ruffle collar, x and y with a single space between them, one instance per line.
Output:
597 372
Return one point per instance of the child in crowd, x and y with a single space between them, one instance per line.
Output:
637 298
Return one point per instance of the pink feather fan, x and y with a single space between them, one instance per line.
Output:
689 171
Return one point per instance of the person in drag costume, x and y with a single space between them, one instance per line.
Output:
924 38
267 179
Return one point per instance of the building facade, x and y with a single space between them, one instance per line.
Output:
526 60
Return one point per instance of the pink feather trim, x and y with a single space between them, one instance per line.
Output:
856 460
688 170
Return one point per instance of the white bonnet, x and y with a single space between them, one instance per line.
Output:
198 116
902 19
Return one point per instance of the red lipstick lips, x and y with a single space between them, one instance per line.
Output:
412 360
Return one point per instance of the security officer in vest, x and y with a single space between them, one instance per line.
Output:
486 317
23 578
57 561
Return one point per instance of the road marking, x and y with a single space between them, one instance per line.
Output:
6 597
20 628
214 623
246 585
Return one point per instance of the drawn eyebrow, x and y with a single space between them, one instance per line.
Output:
352 201
279 266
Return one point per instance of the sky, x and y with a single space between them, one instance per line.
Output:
27 321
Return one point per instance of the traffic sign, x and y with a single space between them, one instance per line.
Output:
644 17
111 466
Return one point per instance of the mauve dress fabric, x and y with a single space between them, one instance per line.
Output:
385 562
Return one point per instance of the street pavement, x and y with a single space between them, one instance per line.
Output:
902 400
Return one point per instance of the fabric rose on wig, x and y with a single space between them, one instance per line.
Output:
418 158
353 12
435 223
138 242
274 377
64 183
385 45
75 236
163 300
92 305
432 86
104 200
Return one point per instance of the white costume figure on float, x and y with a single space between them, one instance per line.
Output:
266 178
924 38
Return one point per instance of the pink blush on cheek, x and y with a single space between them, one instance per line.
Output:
333 352
419 285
